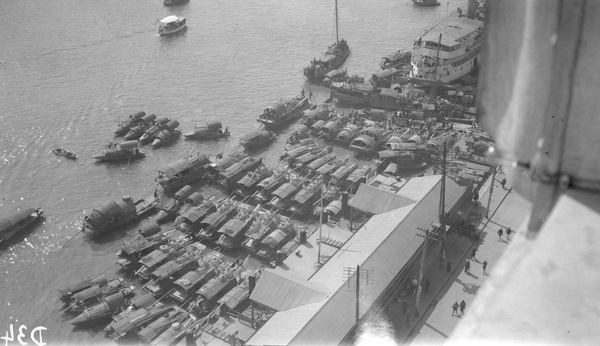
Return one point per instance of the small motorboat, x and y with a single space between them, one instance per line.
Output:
171 24
127 151
64 152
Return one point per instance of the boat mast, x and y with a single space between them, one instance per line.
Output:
337 38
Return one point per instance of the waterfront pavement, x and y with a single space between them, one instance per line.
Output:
435 323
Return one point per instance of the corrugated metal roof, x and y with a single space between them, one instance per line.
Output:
284 325
282 292
376 201
380 245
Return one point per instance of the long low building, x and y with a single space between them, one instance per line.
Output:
321 309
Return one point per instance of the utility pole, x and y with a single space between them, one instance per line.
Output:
442 210
427 236
487 210
357 292
320 227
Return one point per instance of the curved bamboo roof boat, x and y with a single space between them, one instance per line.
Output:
18 221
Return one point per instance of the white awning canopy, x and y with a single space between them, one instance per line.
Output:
169 19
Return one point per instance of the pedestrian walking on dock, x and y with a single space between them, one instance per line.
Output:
449 266
484 267
508 233
500 232
455 308
467 267
473 252
427 283
463 305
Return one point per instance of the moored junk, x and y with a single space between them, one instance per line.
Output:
302 132
232 232
338 177
313 166
169 208
358 176
283 112
153 130
331 129
162 277
303 160
137 247
257 139
121 151
302 203
97 294
18 221
66 293
155 328
275 240
125 126
223 163
156 258
189 222
269 184
264 223
142 125
182 172
317 126
228 177
211 223
193 200
247 184
369 140
322 112
186 286
212 130
111 215
347 134
102 310
330 167
210 292
136 320
299 149
283 195
167 134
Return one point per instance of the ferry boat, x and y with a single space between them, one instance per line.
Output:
447 51
283 112
170 25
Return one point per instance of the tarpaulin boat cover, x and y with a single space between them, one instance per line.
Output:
318 125
141 301
194 199
88 293
183 193
232 227
153 258
192 278
172 124
148 229
127 145
235 296
215 125
277 107
148 118
105 213
286 189
210 289
275 238
195 214
213 219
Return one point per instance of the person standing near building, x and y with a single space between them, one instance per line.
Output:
449 266
500 232
455 308
467 267
463 305
473 252
484 264
508 233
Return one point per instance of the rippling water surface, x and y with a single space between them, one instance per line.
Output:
71 69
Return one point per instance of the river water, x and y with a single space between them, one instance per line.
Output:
71 69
